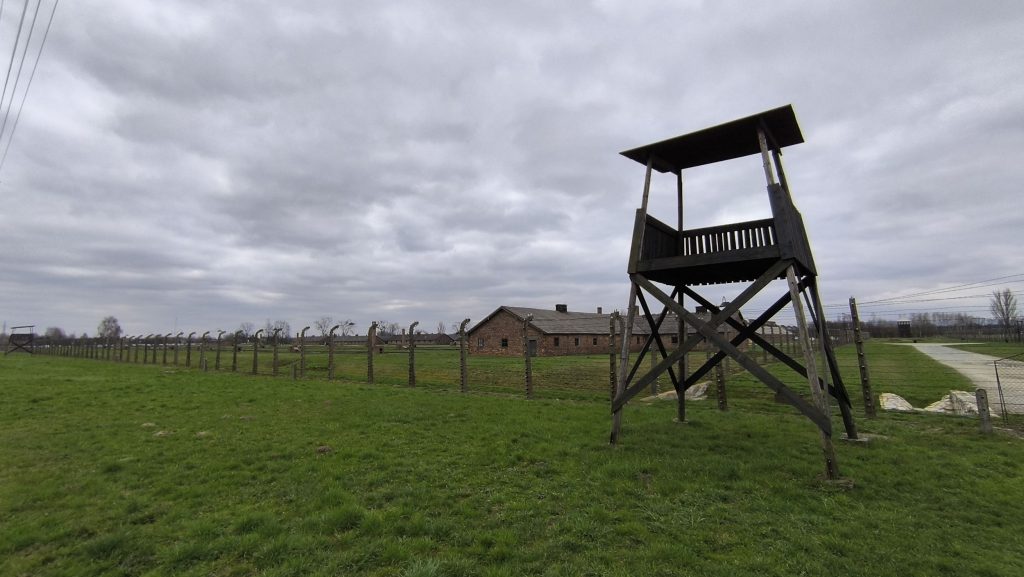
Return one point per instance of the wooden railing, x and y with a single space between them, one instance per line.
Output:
728 237
661 240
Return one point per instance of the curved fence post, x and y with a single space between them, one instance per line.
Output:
256 351
302 353
277 332
167 338
202 350
234 352
463 368
188 349
216 355
177 345
412 354
145 349
371 344
330 353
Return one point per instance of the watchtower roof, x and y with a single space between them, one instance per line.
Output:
723 142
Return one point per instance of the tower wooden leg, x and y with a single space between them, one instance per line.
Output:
831 465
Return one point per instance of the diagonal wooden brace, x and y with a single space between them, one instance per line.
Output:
812 412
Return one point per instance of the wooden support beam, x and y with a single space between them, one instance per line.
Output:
831 466
710 332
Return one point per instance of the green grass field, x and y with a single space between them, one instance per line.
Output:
109 469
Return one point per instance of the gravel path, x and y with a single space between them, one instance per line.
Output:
980 370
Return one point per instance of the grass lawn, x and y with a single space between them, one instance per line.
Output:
109 469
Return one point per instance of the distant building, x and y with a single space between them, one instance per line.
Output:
559 332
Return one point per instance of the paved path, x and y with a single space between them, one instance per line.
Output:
980 370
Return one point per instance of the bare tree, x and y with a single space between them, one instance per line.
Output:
247 329
1004 310
54 333
440 327
108 328
324 324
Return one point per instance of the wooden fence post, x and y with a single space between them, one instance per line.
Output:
463 367
256 352
371 344
302 352
330 353
862 362
526 356
412 354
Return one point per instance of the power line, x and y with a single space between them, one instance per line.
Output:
976 284
14 51
17 117
21 65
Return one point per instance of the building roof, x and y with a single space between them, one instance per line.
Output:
723 142
554 322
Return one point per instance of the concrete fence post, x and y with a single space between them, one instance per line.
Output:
463 367
981 395
188 349
177 345
613 370
302 353
371 344
234 352
526 356
274 364
862 362
216 354
256 352
412 354
330 352
202 350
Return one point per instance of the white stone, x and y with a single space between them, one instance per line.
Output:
955 403
695 393
891 402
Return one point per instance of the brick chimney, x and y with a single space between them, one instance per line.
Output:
562 308
599 311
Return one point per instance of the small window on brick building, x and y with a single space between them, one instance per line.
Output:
504 343
595 341
675 339
480 343
556 341
638 340
577 341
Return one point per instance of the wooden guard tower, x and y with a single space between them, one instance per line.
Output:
756 252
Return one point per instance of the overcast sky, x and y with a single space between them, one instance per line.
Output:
195 165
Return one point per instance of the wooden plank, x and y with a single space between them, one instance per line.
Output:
708 259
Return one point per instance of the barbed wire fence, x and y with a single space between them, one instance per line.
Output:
893 364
